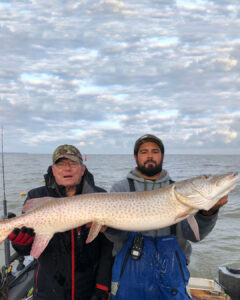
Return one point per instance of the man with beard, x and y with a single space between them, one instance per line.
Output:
153 264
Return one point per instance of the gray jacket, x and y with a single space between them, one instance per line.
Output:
183 230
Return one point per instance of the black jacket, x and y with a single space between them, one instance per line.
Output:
56 276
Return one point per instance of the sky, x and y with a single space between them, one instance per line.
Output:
98 74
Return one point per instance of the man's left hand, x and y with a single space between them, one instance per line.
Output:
216 207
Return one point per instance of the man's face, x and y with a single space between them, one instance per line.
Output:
67 172
149 159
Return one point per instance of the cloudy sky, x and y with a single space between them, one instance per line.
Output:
100 73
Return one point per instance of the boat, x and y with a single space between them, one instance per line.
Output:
206 289
229 278
226 287
17 278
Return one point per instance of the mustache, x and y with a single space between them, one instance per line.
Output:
150 160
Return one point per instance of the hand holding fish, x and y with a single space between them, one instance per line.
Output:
215 208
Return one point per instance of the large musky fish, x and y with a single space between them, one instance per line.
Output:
135 211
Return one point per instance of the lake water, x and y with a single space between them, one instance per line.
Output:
25 171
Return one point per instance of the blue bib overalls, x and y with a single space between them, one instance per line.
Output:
160 273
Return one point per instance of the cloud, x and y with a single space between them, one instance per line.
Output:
101 73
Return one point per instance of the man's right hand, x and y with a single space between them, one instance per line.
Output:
22 240
23 236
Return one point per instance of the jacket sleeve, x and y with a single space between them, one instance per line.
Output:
205 224
104 273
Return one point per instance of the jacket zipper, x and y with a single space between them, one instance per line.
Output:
36 278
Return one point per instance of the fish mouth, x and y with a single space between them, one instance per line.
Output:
232 177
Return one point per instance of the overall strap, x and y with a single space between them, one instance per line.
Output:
131 185
173 228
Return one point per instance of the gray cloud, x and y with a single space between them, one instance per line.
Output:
101 73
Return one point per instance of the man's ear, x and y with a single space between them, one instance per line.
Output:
135 157
53 170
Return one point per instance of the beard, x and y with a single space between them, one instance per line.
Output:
152 168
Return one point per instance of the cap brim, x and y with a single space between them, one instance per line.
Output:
71 157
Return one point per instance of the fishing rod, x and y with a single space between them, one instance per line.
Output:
5 216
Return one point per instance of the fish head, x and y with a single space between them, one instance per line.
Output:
204 191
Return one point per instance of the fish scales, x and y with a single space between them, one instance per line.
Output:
133 211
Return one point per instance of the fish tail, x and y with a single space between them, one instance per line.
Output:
4 230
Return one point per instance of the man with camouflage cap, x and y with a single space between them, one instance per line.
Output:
68 269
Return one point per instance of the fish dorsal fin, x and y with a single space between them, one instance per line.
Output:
31 204
194 226
94 231
39 244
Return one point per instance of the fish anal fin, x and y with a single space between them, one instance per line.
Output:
94 230
39 244
181 217
35 202
194 226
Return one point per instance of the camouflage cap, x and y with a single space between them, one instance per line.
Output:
67 151
148 138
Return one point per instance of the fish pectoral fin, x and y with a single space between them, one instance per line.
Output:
94 231
194 226
35 202
183 199
39 244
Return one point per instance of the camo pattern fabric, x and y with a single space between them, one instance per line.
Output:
67 151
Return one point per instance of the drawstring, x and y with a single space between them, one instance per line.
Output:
145 185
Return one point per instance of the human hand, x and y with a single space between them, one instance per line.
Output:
216 207
23 236
22 240
11 215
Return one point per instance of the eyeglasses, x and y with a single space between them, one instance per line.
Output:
71 164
